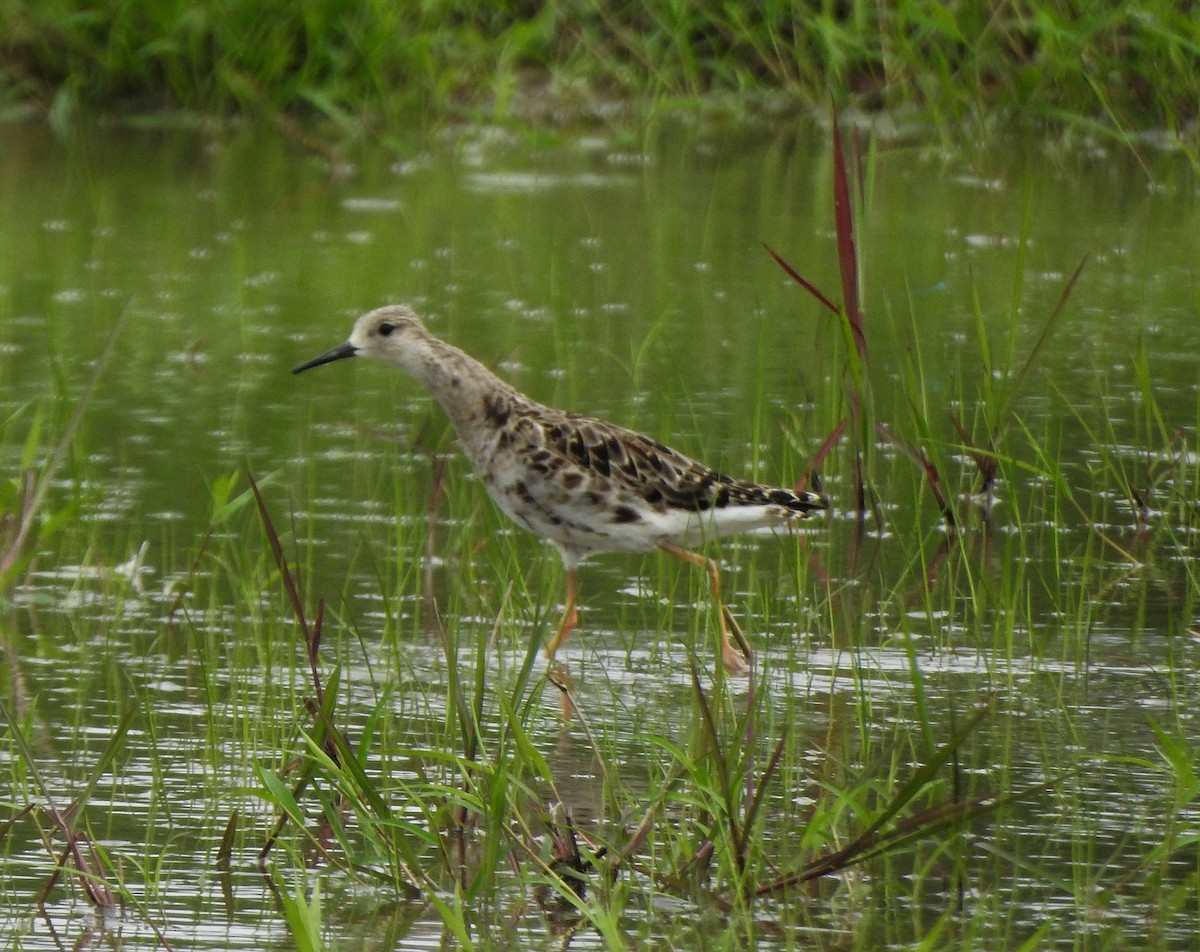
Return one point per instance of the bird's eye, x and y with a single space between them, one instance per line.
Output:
385 330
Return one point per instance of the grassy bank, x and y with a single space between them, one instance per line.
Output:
1128 66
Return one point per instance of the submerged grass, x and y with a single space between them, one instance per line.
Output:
456 792
1112 67
694 830
24 515
468 815
401 758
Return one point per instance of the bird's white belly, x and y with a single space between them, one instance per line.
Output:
575 523
620 522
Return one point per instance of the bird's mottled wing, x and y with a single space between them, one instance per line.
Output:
664 478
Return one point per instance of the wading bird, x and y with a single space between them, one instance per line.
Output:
586 485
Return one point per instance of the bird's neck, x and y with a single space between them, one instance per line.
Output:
463 386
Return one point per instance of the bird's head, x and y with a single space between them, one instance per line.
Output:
383 334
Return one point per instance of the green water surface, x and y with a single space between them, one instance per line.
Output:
626 279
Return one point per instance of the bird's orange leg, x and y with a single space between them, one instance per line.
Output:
570 617
736 658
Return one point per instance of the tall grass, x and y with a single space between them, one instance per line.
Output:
477 810
484 811
1109 67
403 758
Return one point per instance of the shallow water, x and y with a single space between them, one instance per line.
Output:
629 282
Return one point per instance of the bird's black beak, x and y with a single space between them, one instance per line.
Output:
338 353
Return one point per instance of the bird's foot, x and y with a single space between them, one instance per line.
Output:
736 654
734 662
560 676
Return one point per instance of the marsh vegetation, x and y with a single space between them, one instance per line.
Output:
271 659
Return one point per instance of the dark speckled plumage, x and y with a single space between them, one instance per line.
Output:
586 485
